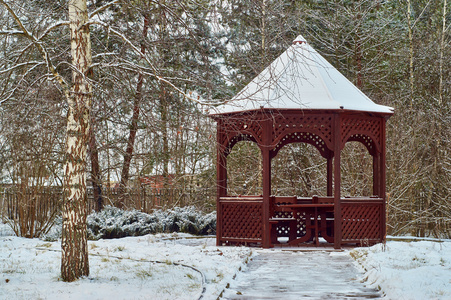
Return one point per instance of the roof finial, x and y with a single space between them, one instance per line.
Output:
299 40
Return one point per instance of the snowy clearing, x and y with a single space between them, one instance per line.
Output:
162 266
182 266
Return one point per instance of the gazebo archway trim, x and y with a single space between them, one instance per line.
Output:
243 124
236 139
292 122
314 129
352 126
367 141
302 137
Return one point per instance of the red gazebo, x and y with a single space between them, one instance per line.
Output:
301 98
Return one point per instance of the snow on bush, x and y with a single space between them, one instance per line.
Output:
113 222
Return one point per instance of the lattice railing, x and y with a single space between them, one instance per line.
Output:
242 220
362 220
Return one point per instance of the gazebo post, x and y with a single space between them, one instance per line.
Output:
266 184
330 172
221 179
382 181
337 181
376 173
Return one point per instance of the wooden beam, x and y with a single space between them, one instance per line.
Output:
221 179
337 181
266 178
376 174
382 182
330 173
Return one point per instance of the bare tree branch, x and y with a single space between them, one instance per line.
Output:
102 8
41 49
20 65
53 27
11 32
155 71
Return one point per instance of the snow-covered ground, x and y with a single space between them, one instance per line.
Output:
408 269
162 266
182 266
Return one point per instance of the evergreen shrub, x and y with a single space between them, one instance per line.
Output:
113 222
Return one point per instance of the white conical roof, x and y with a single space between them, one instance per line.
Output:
301 78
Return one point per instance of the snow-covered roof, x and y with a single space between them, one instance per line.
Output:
301 78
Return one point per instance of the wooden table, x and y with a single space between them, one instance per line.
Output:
313 211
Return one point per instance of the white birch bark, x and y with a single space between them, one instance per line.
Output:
74 258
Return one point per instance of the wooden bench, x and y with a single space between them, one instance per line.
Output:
275 221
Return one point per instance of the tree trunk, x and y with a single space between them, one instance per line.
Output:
95 169
411 69
164 107
358 55
125 174
74 256
442 47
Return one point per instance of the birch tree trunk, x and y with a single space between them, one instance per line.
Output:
74 258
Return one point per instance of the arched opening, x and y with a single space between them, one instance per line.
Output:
299 169
244 169
356 170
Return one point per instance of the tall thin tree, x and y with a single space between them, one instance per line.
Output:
74 258
125 174
74 244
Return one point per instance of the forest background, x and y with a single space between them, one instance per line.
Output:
159 67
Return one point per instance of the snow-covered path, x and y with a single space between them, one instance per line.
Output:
277 274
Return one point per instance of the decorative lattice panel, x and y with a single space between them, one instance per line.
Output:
361 222
301 218
307 128
235 129
320 126
303 137
242 220
356 128
366 141
239 138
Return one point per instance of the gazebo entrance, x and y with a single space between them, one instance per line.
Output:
300 98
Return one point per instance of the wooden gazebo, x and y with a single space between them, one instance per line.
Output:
301 98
